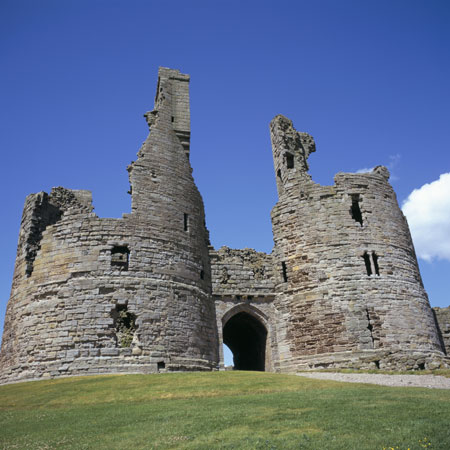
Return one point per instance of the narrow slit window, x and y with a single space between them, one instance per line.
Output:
173 119
289 161
370 328
284 271
279 174
375 263
186 222
355 209
202 274
120 256
367 263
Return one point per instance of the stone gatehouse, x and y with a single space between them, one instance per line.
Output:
147 293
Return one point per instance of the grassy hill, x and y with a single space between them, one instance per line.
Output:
229 410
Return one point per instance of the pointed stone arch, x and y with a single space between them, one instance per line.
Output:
245 330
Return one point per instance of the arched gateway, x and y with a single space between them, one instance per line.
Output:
246 336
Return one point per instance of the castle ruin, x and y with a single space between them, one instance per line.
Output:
147 293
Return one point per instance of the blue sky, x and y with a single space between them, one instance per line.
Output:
368 79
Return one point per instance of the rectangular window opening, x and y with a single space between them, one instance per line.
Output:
355 210
202 274
186 222
120 255
284 270
375 263
161 365
173 119
367 263
289 161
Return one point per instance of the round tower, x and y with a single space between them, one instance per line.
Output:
349 291
98 295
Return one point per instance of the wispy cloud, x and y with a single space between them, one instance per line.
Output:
393 162
428 212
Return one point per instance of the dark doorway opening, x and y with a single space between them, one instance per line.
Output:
246 337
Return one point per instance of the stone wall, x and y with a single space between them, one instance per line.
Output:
442 316
241 273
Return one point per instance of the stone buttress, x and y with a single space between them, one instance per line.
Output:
94 295
349 290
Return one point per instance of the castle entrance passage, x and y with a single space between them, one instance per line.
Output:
246 337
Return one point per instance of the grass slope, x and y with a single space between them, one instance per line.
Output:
226 410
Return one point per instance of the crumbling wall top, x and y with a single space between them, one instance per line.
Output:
241 272
286 139
291 150
175 74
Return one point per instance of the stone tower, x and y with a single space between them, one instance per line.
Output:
349 287
95 295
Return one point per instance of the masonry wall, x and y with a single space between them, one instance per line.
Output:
442 316
242 273
94 295
351 292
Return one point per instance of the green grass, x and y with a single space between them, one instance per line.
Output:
229 410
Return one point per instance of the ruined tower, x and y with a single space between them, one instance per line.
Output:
95 295
350 288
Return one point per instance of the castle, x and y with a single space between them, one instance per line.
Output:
147 293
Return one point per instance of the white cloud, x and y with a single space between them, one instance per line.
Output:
428 212
365 170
